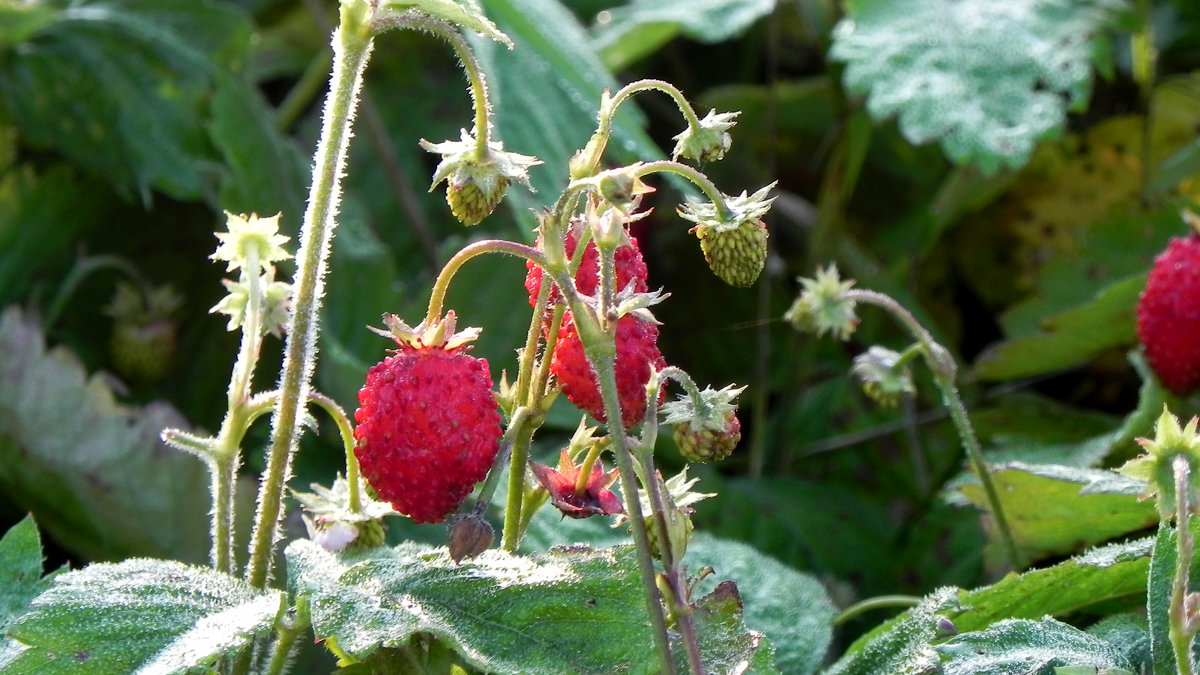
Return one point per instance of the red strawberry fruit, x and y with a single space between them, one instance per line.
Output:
428 427
1169 315
637 351
627 262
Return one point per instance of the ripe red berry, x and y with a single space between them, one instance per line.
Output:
637 351
627 262
1169 315
427 430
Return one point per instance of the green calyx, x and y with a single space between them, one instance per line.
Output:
1170 441
477 179
823 306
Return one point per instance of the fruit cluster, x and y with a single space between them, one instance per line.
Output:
636 335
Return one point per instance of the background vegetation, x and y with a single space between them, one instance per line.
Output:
1011 192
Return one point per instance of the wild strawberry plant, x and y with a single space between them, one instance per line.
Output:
587 554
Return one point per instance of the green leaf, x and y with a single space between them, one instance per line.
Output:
904 645
21 581
1100 575
1058 509
725 644
791 607
1129 632
93 471
266 174
571 610
1069 338
986 78
1025 647
152 616
120 87
639 28
901 646
20 570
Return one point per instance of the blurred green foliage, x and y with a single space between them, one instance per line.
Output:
1019 239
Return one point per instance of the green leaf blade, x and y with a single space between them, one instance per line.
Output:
120 88
141 615
989 79
572 610
1055 509
100 481
1020 646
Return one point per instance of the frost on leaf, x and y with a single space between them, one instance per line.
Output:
988 79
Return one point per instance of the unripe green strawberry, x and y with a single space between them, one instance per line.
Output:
1169 315
144 335
428 427
736 255
700 444
142 351
471 203
679 526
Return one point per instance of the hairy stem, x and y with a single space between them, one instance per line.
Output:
698 178
880 602
470 63
352 48
346 431
437 296
511 537
1180 629
603 362
944 369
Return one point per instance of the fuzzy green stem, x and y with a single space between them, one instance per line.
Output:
671 90
226 456
286 633
689 387
588 159
698 178
1144 57
944 369
603 362
251 344
519 419
870 604
308 87
437 296
470 64
224 481
674 577
1180 629
346 431
352 48
514 500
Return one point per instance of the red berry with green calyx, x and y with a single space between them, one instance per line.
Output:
627 263
637 351
428 426
1169 315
